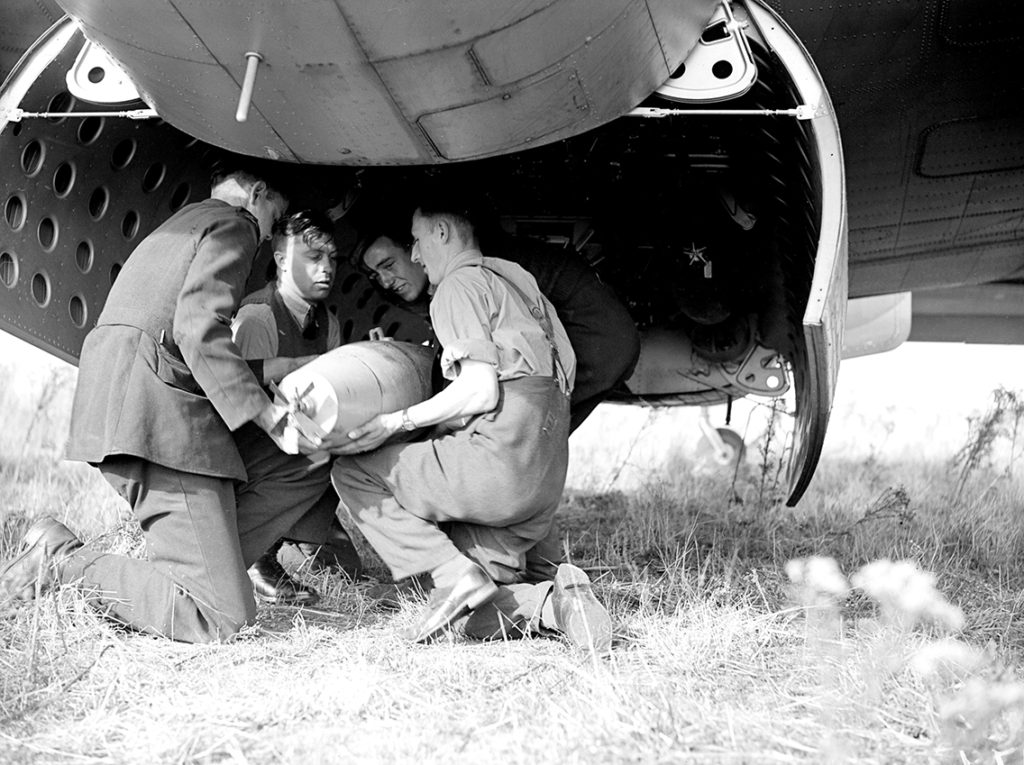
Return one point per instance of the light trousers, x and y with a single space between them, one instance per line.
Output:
489 490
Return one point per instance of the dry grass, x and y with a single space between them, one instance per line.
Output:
718 658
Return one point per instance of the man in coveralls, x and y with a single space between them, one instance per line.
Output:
466 504
161 387
602 333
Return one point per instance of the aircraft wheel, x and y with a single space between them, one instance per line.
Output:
731 454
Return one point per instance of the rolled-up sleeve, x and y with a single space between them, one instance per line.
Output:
212 290
461 314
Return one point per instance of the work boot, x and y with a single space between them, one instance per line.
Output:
272 584
336 553
577 613
47 543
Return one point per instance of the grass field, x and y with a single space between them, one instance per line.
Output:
745 631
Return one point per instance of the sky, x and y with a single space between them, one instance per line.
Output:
926 390
913 401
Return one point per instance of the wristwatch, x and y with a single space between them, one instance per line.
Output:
407 424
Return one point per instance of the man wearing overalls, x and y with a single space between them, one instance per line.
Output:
466 504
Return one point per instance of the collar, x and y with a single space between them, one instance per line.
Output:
251 218
297 306
244 213
471 257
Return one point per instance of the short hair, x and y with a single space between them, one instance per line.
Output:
313 227
250 170
458 210
392 230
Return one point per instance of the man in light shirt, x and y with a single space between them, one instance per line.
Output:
466 504
604 336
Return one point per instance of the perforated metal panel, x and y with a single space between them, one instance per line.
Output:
78 194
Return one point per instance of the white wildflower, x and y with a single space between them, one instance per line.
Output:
980 699
946 656
906 593
819 574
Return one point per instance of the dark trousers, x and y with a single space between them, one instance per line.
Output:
201 535
606 342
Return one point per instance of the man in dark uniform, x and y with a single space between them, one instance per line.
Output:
602 333
161 387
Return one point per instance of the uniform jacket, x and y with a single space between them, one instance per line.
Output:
160 377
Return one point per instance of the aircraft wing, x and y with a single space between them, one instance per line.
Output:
355 82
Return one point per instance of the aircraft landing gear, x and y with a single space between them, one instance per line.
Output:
719 450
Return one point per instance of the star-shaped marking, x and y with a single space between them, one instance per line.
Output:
695 254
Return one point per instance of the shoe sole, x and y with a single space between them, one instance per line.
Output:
309 598
274 601
586 623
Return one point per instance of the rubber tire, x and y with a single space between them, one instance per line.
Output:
708 460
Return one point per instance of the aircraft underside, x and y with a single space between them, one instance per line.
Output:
724 233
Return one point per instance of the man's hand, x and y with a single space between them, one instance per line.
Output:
273 421
366 437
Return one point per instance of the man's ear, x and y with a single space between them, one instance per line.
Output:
257 191
280 257
444 230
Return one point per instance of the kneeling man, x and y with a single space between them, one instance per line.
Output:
468 503
162 391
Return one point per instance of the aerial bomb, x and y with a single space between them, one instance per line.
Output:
350 385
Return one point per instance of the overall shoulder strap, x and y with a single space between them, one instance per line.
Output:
540 313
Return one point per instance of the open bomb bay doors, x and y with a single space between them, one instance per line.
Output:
690 154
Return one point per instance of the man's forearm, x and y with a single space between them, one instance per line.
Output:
474 391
